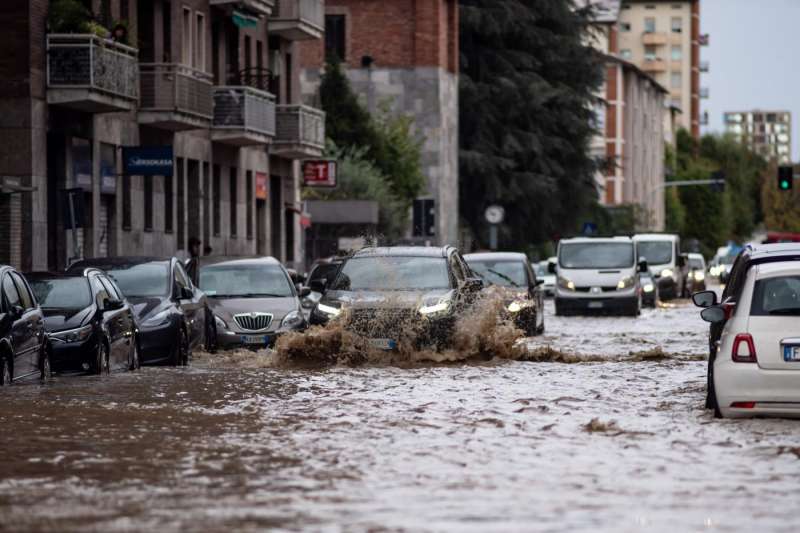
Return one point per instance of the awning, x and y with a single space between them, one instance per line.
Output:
13 184
244 20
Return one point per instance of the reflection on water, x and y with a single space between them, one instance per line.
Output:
248 441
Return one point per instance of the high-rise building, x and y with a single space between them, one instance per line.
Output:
662 37
767 133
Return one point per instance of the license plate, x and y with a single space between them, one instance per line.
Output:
595 305
255 339
383 344
791 352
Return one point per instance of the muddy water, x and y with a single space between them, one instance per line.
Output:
239 443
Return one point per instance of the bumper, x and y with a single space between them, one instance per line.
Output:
228 339
157 343
775 392
609 302
73 355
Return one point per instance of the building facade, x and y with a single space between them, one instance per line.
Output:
403 54
767 133
215 80
662 37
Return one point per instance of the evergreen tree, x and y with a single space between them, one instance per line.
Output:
526 101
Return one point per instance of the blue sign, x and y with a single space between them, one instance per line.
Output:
147 160
589 228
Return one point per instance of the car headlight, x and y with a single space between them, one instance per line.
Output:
158 319
667 273
626 283
435 306
699 275
648 287
564 283
518 305
220 323
73 335
292 320
328 310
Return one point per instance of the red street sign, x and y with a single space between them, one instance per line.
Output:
305 220
321 173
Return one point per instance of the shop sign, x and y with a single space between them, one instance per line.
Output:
261 186
147 160
319 173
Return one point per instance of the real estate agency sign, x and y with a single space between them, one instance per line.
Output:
319 173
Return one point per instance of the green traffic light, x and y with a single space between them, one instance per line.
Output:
784 185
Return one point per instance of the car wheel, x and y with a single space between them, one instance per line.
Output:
5 371
101 363
45 365
711 390
135 355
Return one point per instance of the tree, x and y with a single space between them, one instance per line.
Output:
527 89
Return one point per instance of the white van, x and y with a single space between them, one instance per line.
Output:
598 274
662 251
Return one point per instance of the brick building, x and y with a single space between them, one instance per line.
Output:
217 80
403 53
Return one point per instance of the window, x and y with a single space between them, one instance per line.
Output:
677 6
111 289
181 279
650 6
148 203
217 197
625 26
676 53
102 294
181 210
200 42
779 296
10 292
335 36
677 24
249 199
126 202
625 53
169 203
649 25
650 53
248 53
675 80
186 51
233 182
24 293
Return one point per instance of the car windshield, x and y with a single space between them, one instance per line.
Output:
392 273
596 255
696 264
62 293
142 280
245 281
655 252
776 296
504 273
542 269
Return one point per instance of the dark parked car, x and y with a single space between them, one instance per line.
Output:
24 345
322 269
172 314
523 291
89 321
253 300
397 294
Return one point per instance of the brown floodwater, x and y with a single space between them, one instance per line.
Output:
597 425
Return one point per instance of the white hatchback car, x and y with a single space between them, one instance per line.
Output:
757 367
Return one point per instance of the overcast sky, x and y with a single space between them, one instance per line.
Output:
754 57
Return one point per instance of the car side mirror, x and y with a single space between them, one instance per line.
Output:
643 265
551 268
302 292
705 299
318 285
113 305
16 311
473 284
714 314
539 282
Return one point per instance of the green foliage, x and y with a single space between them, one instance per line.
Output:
68 16
527 88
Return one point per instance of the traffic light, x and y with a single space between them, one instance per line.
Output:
785 178
719 181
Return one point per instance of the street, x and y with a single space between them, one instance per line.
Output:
615 439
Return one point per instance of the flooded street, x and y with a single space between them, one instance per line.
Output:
615 439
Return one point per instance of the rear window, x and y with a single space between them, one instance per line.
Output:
62 293
776 297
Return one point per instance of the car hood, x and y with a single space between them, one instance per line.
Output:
144 306
61 319
225 308
383 299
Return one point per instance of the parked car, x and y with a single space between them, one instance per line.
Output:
512 272
173 315
754 335
24 346
598 274
696 277
649 290
388 291
662 252
321 269
547 278
90 323
253 300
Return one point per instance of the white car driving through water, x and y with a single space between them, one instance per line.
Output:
662 252
598 274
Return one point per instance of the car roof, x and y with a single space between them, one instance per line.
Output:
694 255
596 239
234 260
496 256
655 237
403 251
54 275
118 261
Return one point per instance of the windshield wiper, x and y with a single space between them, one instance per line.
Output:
502 276
786 311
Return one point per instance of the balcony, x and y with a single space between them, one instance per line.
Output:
262 7
298 20
300 132
704 93
654 65
175 97
243 116
87 73
704 66
654 38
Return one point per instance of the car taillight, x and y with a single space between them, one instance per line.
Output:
744 350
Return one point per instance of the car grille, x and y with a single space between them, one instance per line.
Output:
253 321
382 322
588 289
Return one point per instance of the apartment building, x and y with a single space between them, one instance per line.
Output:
768 133
404 54
662 37
214 81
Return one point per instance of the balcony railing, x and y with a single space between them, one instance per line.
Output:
654 38
654 65
704 66
243 115
298 19
263 7
90 73
175 96
300 131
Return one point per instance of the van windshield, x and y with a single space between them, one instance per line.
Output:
596 255
656 252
